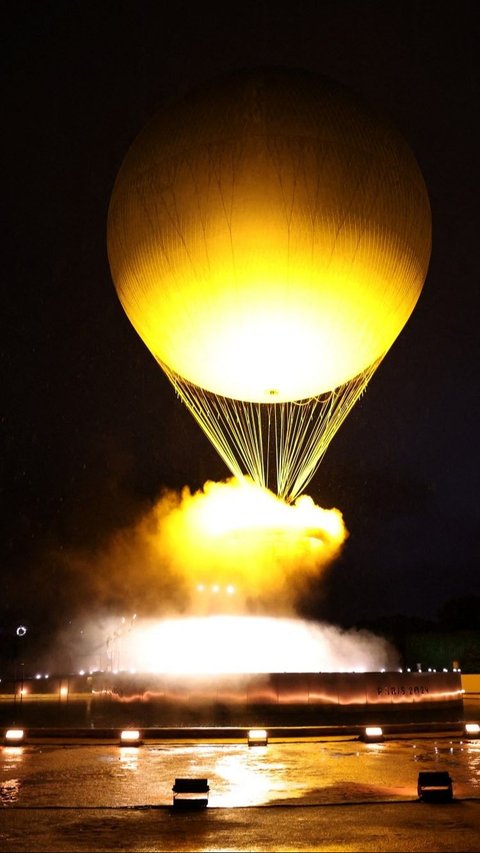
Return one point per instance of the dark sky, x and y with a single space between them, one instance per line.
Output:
91 429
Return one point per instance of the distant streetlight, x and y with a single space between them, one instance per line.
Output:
20 632
22 681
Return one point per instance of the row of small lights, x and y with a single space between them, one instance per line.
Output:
255 737
374 734
230 589
454 669
39 676
133 737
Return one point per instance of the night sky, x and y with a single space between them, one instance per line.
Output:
91 429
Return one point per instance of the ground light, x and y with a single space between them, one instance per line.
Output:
435 786
190 793
472 730
257 737
130 737
14 736
372 734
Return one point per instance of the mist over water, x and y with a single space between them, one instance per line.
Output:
229 644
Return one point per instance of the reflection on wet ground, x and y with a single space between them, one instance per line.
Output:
96 775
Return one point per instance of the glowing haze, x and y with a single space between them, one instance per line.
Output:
240 535
211 580
248 644
230 534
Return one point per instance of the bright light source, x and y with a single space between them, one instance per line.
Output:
130 736
472 729
257 737
14 735
63 692
373 734
230 589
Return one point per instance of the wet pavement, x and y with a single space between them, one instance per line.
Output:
319 794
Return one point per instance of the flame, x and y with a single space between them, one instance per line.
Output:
249 507
241 535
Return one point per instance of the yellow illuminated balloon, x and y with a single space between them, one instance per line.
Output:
269 236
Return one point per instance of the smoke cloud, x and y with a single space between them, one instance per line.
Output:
231 535
221 568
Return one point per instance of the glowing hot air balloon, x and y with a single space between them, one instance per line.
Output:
269 236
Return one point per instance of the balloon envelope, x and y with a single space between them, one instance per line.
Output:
269 236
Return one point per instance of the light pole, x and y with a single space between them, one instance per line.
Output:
20 632
22 680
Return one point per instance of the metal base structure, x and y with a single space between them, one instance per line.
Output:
146 701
